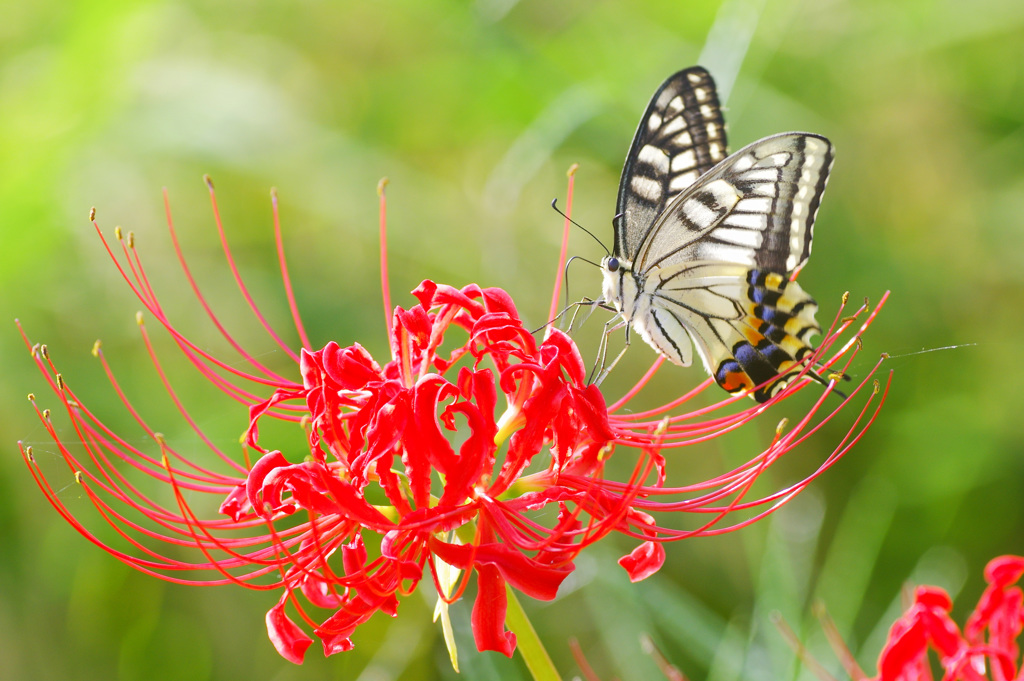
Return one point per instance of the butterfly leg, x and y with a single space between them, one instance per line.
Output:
575 307
601 370
586 302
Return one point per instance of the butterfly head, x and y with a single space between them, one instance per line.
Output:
620 287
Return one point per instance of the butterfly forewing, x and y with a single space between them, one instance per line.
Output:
755 209
680 137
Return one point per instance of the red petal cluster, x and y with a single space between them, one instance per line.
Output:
475 446
986 648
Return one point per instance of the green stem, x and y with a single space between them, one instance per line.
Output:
527 642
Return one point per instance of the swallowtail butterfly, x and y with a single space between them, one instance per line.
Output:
706 245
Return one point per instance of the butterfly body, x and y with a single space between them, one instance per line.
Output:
706 245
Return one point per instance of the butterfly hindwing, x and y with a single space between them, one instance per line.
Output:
751 327
680 137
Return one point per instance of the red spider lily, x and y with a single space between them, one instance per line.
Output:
476 446
986 648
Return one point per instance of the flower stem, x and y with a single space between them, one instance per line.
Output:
528 643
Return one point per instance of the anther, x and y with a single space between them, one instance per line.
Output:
781 427
31 397
846 298
208 181
117 233
46 414
92 213
44 351
96 348
78 477
131 239
572 169
138 317
662 426
381 184
60 382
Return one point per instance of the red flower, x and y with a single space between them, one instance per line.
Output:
474 446
986 649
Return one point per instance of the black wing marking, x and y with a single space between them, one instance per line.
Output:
755 209
680 137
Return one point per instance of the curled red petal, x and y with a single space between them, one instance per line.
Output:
336 631
255 484
904 650
288 638
1004 570
320 591
566 355
351 367
591 408
489 609
643 561
533 578
497 300
933 597
236 503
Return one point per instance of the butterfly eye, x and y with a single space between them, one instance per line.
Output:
613 264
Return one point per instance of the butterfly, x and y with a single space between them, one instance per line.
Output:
706 245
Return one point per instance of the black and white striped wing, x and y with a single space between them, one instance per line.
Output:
755 209
680 137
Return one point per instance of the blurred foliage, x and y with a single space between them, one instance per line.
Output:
474 111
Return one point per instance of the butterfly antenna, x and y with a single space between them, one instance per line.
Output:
554 205
565 277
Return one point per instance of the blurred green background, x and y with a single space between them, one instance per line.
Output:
474 111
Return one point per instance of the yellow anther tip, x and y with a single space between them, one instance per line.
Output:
782 426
